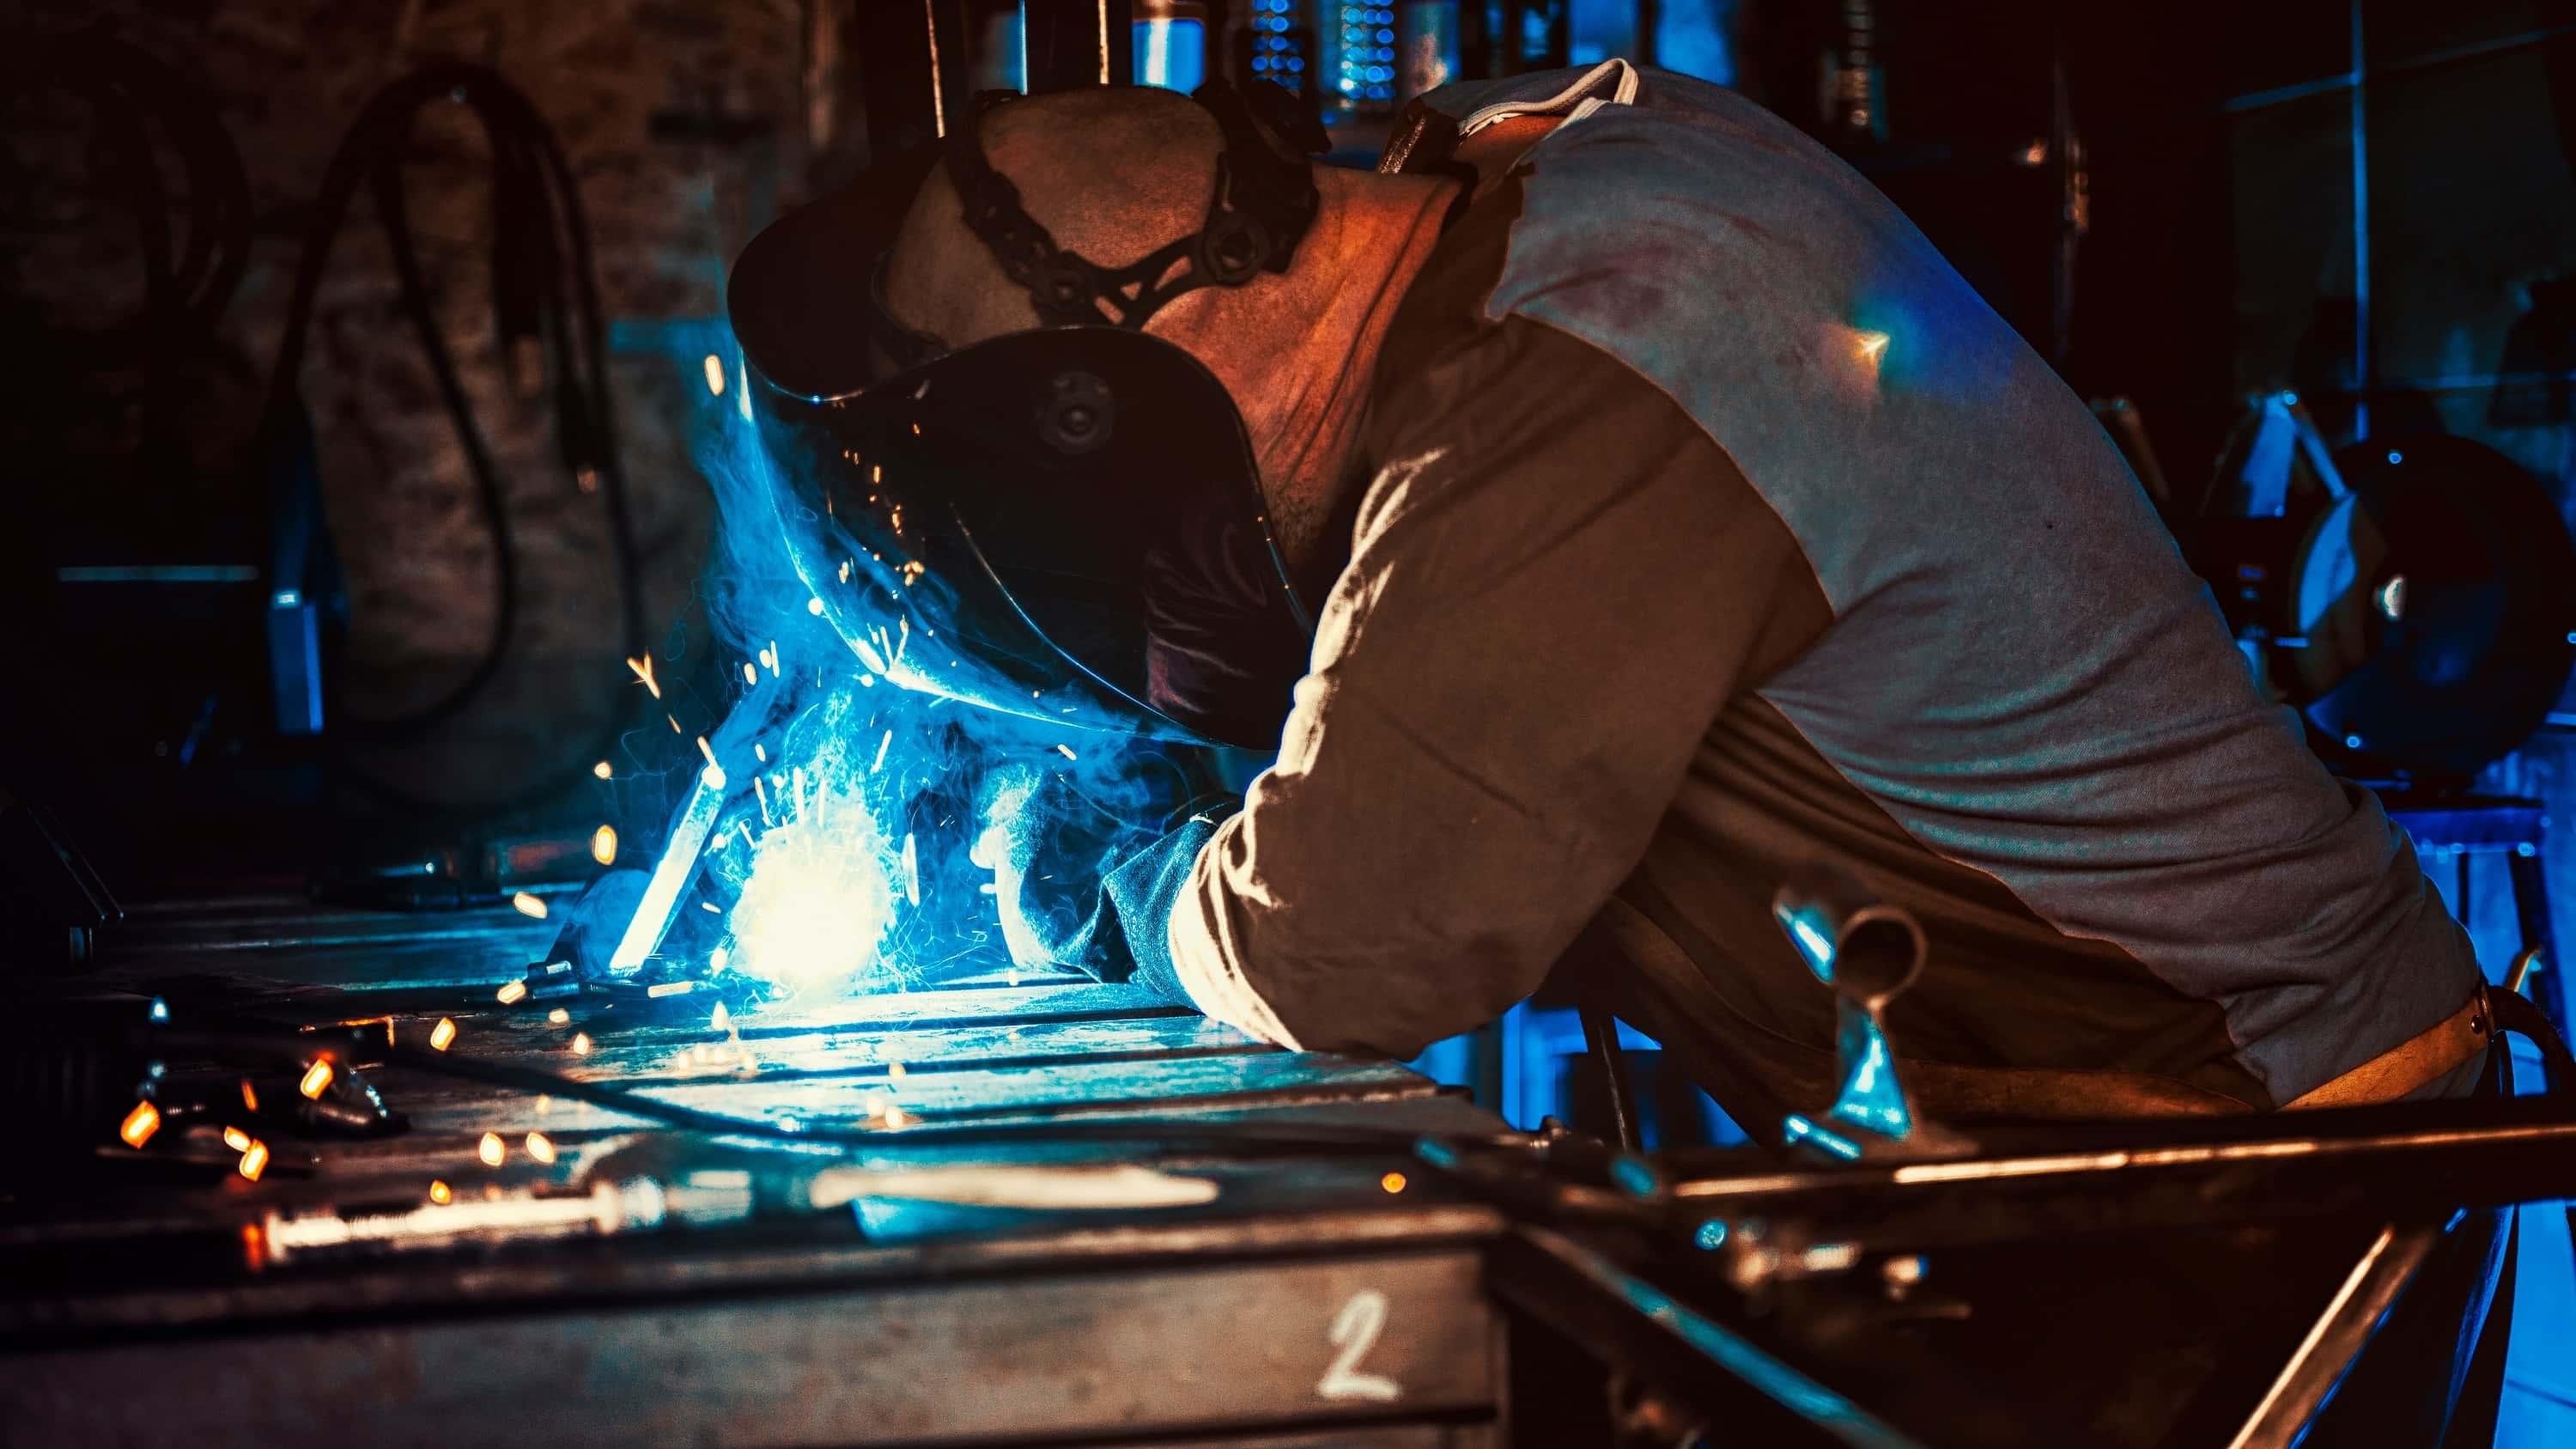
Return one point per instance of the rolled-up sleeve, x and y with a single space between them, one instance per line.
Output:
1556 582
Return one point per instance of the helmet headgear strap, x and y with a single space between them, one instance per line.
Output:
1263 202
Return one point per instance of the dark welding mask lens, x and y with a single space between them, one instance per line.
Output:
1077 510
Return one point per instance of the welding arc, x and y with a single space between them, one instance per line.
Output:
1313 1136
540 239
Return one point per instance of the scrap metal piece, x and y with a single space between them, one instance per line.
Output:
1869 952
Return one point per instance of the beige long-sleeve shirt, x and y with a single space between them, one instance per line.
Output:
1673 572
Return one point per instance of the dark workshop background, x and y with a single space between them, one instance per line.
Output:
2372 203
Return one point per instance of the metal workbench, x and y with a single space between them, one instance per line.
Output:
1320 1299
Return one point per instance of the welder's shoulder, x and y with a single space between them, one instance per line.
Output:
1690 213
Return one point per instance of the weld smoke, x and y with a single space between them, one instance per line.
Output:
867 816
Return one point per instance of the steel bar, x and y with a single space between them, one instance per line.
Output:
2337 1337
1758 1397
2409 1157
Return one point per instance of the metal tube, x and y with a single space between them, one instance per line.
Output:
679 861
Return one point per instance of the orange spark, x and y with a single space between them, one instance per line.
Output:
140 1124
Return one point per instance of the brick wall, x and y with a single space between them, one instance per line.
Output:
687 126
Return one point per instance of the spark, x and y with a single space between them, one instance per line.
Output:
750 672
603 845
491 1149
545 1104
254 1159
716 960
250 1097
896 1118
715 375
814 607
442 1035
709 751
879 763
760 790
558 1016
845 571
1873 345
1392 1182
581 1044
675 724
911 872
894 1071
867 681
236 1139
140 1124
539 1148
439 1192
602 770
721 1020
317 1080
512 993
671 988
528 906
643 668
770 656
759 754
711 908
1066 751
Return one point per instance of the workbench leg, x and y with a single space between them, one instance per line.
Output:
2531 903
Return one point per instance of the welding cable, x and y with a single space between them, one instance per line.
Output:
541 242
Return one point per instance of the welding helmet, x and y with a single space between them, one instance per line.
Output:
1064 523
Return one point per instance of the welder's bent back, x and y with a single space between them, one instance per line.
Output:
1713 524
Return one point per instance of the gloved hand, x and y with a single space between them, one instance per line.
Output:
1077 884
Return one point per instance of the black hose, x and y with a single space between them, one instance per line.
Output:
543 289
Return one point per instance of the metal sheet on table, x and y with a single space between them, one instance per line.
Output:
1177 1351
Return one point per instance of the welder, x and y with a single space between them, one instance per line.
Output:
1668 516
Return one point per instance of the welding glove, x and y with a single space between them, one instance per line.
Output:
1078 885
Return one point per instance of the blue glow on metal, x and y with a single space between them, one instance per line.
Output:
1798 1129
1171 53
1634 1176
670 874
1813 944
155 574
1711 1235
1847 1421
1872 1099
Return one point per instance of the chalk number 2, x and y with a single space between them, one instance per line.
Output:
1354 1332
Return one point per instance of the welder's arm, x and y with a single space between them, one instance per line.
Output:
1556 582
